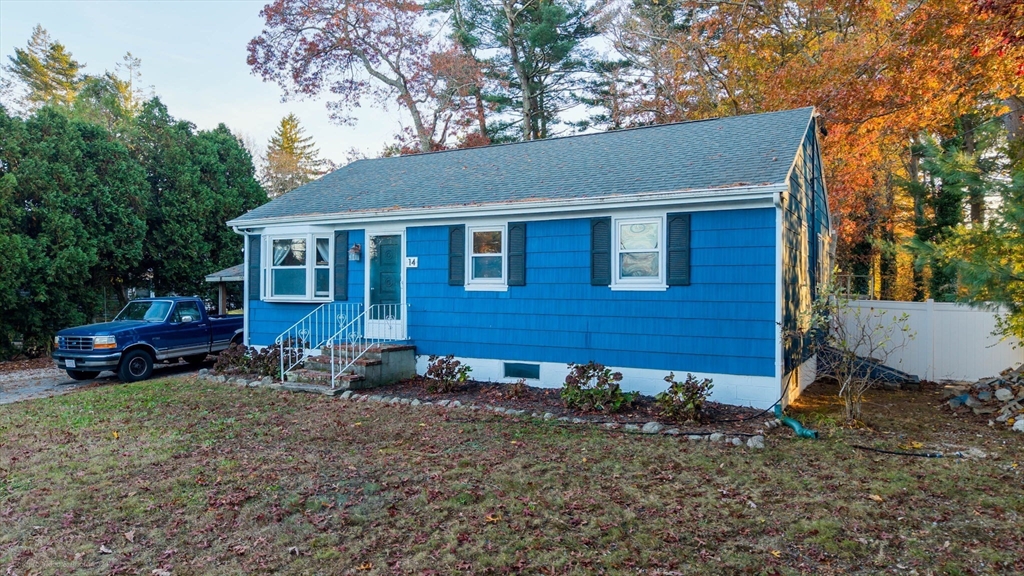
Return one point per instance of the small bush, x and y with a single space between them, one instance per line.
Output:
445 374
592 386
684 400
515 391
250 361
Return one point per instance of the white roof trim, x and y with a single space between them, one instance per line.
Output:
731 195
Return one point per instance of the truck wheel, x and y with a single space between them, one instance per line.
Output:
82 374
135 365
196 359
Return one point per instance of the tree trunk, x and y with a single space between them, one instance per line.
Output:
976 198
919 220
517 65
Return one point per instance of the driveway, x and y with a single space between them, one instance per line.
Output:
32 381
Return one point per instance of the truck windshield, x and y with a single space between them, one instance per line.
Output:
150 311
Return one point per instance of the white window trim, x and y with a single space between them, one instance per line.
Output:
652 284
487 284
267 267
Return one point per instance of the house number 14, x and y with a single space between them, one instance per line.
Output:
412 261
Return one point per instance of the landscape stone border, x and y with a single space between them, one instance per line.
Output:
756 441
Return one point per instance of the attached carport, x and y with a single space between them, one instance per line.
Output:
221 279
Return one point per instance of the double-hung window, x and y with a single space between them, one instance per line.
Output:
486 254
639 259
299 268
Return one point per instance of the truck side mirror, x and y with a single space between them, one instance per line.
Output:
186 319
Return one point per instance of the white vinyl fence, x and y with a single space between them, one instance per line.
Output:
951 341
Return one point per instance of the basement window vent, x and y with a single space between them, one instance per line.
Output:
521 370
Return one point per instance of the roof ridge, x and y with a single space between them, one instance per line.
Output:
601 133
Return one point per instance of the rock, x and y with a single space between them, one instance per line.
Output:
548 416
535 415
716 437
755 442
652 428
696 438
736 442
222 379
346 394
428 403
985 395
455 404
578 421
443 403
406 400
254 384
415 402
1003 395
498 409
563 419
609 425
267 381
958 401
375 398
972 402
672 432
1018 426
204 371
518 412
631 428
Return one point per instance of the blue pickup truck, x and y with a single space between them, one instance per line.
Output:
147 331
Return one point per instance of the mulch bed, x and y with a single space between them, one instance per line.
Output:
717 418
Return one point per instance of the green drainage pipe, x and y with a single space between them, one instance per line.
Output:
796 426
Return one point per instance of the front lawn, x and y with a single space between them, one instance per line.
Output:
191 477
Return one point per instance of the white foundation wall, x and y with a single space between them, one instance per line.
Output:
796 381
754 391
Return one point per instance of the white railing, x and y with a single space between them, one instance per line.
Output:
312 331
357 338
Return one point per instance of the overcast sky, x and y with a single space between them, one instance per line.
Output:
193 54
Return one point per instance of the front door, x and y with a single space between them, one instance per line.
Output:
385 317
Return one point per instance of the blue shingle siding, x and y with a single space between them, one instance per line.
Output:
724 322
750 150
805 218
267 320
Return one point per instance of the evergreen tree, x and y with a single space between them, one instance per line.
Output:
197 181
538 61
47 70
292 159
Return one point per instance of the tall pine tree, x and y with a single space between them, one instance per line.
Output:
292 159
47 70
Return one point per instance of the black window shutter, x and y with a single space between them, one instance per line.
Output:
601 251
341 264
678 249
517 253
457 255
254 266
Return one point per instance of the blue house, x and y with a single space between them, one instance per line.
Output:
686 247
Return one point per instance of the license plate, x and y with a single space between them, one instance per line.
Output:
69 363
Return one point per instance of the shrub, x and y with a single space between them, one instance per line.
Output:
244 360
515 391
684 400
592 386
445 374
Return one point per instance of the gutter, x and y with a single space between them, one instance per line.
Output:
699 196
245 282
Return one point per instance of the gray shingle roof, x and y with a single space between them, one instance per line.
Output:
752 150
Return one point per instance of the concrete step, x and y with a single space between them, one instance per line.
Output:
302 380
323 363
